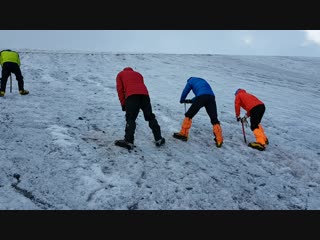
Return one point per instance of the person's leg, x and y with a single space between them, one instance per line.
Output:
197 104
187 121
265 136
17 71
211 108
256 115
150 117
185 128
5 73
132 111
19 77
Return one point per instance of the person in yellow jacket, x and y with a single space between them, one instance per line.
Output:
10 63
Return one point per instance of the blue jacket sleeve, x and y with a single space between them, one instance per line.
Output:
185 92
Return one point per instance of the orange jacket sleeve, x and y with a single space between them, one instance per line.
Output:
237 106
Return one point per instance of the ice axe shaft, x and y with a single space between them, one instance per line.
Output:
244 133
185 104
10 83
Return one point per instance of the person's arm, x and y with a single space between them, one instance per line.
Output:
18 59
185 92
120 91
237 106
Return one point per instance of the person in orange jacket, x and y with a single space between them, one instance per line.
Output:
255 109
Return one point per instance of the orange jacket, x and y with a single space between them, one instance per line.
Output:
245 100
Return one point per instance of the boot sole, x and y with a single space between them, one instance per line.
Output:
178 136
163 141
257 146
124 145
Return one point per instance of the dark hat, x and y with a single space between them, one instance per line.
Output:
236 92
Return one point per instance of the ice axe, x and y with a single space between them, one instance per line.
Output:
10 83
185 104
244 133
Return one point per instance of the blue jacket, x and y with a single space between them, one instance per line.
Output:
198 86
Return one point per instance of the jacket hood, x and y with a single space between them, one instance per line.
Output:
6 50
127 69
238 91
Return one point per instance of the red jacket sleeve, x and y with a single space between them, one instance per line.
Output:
120 90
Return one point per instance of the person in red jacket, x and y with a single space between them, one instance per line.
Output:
255 109
133 96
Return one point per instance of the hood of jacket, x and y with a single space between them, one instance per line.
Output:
239 90
127 69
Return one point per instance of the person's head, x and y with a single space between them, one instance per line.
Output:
238 90
128 69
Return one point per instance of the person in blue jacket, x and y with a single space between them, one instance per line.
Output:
204 97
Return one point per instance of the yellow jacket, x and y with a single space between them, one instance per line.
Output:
9 56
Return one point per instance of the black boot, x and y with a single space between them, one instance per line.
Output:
177 135
124 144
160 142
24 92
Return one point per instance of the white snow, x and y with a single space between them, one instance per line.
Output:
57 151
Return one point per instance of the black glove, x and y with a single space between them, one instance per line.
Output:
188 101
238 119
123 108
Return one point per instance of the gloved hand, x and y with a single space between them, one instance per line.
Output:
188 101
238 119
123 108
244 119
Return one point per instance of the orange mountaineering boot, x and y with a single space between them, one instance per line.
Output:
184 132
260 140
265 136
217 132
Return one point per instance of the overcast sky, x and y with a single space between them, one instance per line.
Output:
231 42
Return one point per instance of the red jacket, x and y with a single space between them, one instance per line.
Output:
245 100
130 82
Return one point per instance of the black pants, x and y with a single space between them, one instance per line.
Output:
207 101
7 69
133 104
256 115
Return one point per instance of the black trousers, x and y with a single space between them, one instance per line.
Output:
7 69
256 115
133 104
207 101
